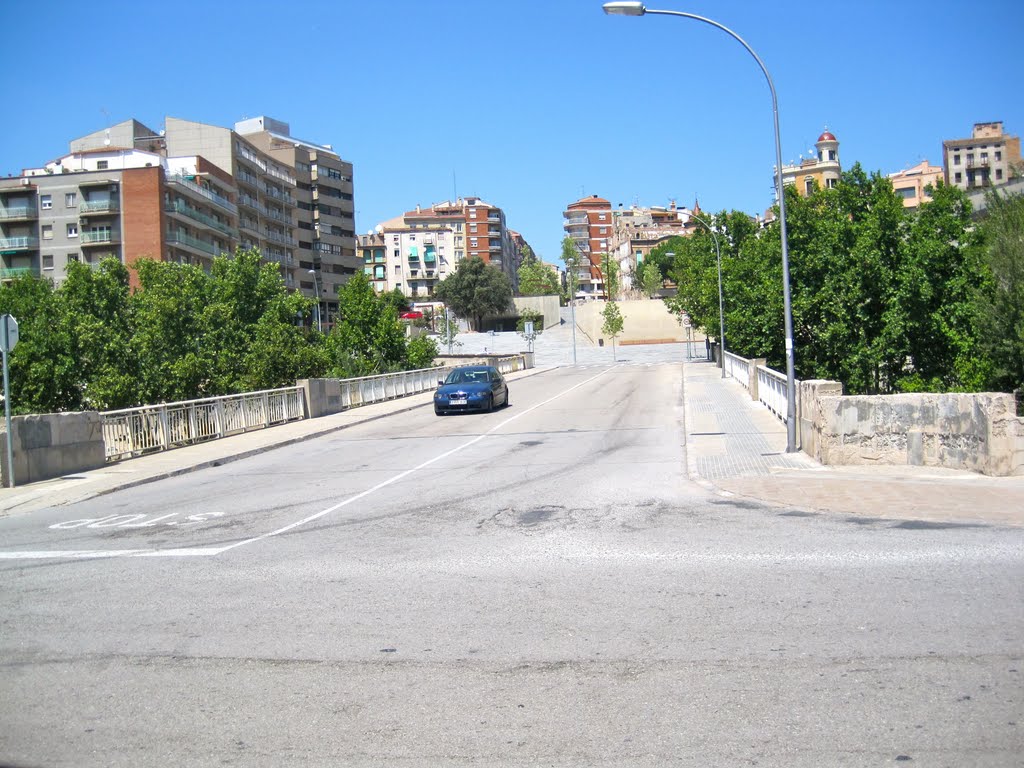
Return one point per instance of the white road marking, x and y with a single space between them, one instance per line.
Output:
102 522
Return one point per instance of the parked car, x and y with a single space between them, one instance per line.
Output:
471 388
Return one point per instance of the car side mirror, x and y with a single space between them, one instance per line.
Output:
440 382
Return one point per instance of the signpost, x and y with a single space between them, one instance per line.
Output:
8 338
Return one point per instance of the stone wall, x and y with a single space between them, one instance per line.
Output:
546 305
52 445
979 432
645 321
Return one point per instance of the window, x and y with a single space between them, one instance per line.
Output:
907 193
398 269
809 186
47 261
45 202
73 230
472 227
999 173
600 216
70 200
47 231
999 155
831 154
956 159
101 165
958 177
72 257
830 183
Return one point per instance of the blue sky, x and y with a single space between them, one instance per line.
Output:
528 104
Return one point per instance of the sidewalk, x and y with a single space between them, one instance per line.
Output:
737 448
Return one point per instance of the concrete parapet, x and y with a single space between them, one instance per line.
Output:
752 365
978 432
52 445
547 305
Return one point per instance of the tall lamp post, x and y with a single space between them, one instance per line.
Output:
721 304
316 287
638 9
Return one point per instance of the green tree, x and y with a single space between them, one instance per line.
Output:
610 276
650 278
476 290
420 353
537 279
367 338
573 262
1000 298
613 322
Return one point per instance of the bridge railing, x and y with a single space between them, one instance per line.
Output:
771 391
738 368
134 431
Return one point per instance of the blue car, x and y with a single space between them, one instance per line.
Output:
471 388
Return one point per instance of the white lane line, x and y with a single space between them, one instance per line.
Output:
406 473
212 551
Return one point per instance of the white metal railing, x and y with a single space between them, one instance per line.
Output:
134 431
738 368
373 389
771 391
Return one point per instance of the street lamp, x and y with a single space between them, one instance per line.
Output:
721 304
638 9
316 287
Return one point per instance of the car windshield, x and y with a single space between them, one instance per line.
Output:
468 376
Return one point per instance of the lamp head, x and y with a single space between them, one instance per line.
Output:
624 9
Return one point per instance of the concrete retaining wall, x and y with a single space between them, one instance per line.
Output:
52 445
546 305
645 321
978 432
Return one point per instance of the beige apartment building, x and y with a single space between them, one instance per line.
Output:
912 184
988 158
415 251
115 201
639 230
823 169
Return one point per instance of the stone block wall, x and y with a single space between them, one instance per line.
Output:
52 445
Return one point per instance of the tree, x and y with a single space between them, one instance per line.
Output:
610 276
537 279
650 278
1000 298
476 290
613 322
367 338
572 260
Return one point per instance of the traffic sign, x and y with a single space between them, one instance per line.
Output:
8 333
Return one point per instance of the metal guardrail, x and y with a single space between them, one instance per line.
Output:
738 368
135 431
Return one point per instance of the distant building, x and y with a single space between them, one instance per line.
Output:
989 158
639 230
425 245
186 194
912 184
588 222
824 170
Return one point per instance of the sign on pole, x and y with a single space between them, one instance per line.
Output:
8 338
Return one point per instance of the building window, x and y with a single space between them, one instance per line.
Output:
830 183
45 202
73 230
72 257
398 269
999 174
47 261
956 159
809 186
600 216
958 177
101 165
70 200
472 227
999 155
47 231
832 154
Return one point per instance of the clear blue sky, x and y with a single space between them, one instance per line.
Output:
529 104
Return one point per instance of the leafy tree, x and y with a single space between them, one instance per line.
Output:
610 276
420 352
367 338
476 290
650 278
532 316
613 322
537 279
396 300
1000 299
573 261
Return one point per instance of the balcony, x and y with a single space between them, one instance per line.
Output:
23 243
246 177
278 174
98 207
19 213
283 197
181 208
99 237
278 237
213 197
10 273
180 238
980 163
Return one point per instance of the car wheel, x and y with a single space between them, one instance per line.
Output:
490 404
506 399
438 411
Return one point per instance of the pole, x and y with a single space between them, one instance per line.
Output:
721 303
7 406
638 9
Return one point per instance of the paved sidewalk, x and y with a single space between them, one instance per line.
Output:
736 447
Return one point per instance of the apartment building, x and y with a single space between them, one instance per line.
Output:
912 183
988 158
115 200
638 230
423 246
588 223
324 214
822 169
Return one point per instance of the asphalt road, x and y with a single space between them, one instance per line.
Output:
536 586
